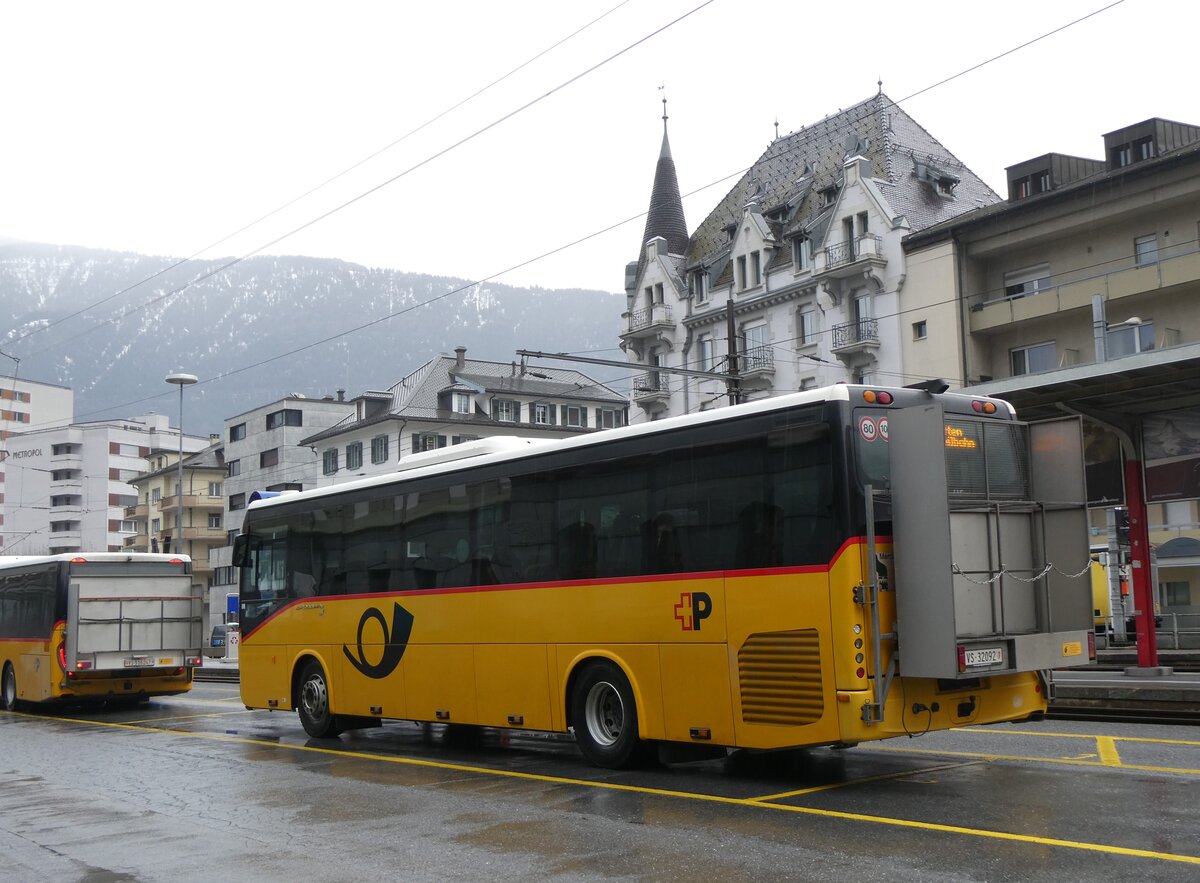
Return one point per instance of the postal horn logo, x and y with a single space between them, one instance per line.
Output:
395 641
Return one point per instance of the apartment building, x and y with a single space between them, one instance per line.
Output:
263 451
453 399
1080 293
797 278
188 522
67 488
25 406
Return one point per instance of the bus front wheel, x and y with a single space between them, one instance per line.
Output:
604 715
11 702
313 703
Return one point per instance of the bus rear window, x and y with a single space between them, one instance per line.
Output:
985 459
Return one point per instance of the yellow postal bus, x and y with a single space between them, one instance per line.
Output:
827 567
113 626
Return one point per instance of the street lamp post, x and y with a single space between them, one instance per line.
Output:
181 380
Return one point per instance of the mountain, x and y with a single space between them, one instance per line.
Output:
263 328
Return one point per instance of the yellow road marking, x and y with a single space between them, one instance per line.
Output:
185 717
987 730
1024 758
757 803
881 778
1107 747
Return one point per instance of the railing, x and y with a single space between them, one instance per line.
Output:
647 316
840 253
652 383
1109 271
850 333
757 358
1173 631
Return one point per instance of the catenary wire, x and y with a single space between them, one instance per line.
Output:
327 181
515 266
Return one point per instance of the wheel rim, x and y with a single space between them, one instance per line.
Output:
605 713
10 688
315 698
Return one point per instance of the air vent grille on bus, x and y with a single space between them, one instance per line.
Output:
780 678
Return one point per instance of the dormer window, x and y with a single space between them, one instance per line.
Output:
828 195
460 403
801 253
699 286
942 182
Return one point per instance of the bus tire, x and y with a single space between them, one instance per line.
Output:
604 714
9 688
312 702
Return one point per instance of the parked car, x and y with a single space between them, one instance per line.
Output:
220 638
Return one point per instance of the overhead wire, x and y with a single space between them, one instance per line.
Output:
329 180
421 164
523 263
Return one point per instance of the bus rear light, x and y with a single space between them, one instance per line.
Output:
860 672
176 561
83 665
873 397
79 561
1092 646
983 407
62 655
962 658
702 733
193 661
884 398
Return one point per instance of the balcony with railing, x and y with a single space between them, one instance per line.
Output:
205 534
202 502
649 321
652 390
756 367
853 338
844 259
141 510
1175 271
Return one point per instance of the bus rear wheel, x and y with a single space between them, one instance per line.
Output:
9 687
312 702
604 715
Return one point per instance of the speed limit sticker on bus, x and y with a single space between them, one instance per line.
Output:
867 428
883 429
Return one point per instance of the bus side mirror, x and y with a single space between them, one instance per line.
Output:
241 551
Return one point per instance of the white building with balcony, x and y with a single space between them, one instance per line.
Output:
451 400
67 488
797 278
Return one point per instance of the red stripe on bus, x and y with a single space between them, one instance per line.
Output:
598 581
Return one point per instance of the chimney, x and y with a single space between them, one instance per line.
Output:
341 395
460 358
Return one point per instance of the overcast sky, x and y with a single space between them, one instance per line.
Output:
163 128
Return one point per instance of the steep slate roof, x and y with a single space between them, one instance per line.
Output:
416 396
665 217
789 177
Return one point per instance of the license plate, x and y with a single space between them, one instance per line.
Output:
984 656
138 662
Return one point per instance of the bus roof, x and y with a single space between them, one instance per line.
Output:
67 557
486 451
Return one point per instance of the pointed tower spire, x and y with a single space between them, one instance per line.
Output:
665 217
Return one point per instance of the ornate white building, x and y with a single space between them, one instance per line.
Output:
800 266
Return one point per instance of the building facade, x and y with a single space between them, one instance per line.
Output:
67 488
188 523
452 399
797 278
1080 293
26 406
262 451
